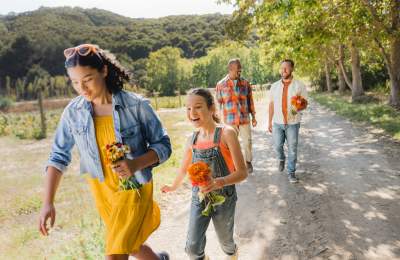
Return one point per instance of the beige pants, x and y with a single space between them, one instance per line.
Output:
244 133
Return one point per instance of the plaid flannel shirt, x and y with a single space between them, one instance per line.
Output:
236 102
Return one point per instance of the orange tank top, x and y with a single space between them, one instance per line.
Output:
223 148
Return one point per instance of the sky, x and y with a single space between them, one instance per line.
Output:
129 8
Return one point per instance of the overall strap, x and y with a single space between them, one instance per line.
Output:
217 135
194 137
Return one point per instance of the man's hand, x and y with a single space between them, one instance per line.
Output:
270 127
254 121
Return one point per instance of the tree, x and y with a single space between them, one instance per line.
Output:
16 61
306 31
385 32
163 71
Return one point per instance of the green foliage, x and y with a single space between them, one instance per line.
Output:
310 33
167 72
5 103
39 37
48 31
27 125
372 112
207 71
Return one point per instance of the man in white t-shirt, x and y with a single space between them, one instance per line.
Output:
284 121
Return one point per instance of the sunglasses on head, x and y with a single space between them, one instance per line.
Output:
82 50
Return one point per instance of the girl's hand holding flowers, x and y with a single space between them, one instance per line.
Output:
214 184
124 168
200 175
116 158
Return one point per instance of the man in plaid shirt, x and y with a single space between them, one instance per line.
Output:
234 95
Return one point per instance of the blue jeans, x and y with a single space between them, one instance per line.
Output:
290 133
223 219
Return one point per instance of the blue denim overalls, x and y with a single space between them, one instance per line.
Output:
223 216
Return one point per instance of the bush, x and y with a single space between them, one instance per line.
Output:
5 103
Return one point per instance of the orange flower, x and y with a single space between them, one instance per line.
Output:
199 173
298 102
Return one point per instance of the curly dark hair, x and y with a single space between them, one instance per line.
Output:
117 74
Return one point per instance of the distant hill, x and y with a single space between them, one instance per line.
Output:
40 36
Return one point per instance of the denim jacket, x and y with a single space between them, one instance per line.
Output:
135 123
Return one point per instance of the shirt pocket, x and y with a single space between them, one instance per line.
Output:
132 137
79 133
226 93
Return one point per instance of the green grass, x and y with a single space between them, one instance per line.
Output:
27 125
375 113
167 102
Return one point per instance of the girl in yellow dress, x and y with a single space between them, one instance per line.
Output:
103 113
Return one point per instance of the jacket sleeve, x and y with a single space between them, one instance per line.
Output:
156 136
60 155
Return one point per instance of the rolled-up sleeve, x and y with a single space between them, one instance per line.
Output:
60 155
156 136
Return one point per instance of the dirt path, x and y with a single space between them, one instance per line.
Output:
346 205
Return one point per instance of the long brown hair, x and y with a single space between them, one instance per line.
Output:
208 97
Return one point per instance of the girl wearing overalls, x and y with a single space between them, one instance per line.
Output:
218 146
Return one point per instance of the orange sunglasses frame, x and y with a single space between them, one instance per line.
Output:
68 53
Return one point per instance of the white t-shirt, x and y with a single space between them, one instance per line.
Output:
296 87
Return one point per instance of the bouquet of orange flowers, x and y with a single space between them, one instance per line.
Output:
116 152
200 175
298 103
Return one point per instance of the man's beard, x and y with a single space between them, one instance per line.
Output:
289 76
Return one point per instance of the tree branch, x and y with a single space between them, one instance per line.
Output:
386 57
377 21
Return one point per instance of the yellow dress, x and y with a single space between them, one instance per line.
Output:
128 217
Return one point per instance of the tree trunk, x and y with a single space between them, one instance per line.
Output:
357 88
321 87
329 84
395 73
42 115
341 80
341 62
341 83
395 56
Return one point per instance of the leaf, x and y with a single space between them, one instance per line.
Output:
217 200
206 212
